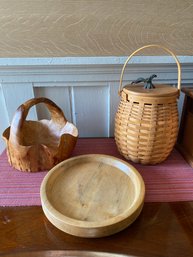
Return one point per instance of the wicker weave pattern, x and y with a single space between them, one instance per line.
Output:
146 124
145 132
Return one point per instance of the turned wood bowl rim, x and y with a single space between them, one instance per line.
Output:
57 215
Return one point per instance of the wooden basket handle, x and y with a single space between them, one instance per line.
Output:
147 46
21 113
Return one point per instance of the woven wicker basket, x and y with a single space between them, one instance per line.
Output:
146 123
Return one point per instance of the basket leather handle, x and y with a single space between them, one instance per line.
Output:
147 46
22 111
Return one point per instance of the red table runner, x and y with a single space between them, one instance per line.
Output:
169 181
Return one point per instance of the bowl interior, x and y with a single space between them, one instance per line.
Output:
92 189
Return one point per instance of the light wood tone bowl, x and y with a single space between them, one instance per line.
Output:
92 195
39 145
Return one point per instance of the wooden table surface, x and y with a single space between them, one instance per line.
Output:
162 229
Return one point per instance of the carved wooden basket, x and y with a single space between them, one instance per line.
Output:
39 145
146 123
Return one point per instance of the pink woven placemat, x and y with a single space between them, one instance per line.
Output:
169 181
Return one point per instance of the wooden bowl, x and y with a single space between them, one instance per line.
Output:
92 195
39 145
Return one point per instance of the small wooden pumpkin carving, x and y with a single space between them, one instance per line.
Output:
39 145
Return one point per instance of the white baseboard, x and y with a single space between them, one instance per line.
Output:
85 88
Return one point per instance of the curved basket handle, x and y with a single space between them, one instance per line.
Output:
22 111
147 46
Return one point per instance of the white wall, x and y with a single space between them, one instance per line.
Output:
85 88
4 122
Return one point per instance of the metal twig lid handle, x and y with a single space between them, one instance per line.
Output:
147 46
148 84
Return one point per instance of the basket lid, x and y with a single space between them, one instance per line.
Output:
159 90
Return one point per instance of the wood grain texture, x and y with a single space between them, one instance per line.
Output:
39 145
65 253
185 139
96 196
85 106
58 94
162 229
93 28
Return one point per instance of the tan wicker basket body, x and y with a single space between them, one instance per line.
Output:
146 123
